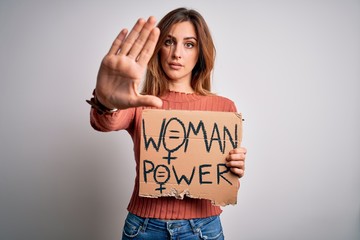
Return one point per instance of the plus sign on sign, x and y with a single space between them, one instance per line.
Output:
182 154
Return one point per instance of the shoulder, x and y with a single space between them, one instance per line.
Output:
221 103
222 98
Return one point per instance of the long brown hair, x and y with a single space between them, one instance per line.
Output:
156 82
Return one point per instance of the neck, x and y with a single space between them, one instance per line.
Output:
180 87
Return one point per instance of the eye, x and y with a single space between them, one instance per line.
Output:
189 45
169 42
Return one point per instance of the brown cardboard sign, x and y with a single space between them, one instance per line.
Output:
182 153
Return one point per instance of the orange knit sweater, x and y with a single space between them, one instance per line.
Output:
130 120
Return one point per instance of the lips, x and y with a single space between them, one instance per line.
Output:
175 65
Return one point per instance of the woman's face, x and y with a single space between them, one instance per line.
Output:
180 52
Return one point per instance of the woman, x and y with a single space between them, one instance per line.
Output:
179 56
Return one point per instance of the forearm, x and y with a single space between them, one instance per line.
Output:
118 120
106 120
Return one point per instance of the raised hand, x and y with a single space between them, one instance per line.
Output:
124 66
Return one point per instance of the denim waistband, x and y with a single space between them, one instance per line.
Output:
195 223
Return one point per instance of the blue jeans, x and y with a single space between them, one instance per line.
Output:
136 227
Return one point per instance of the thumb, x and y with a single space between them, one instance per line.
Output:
149 101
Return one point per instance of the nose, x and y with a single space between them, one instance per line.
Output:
177 52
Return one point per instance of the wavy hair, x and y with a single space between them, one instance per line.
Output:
156 82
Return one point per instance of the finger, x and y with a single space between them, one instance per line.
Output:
116 45
236 164
148 50
144 100
141 29
149 101
238 150
239 172
131 38
142 40
236 157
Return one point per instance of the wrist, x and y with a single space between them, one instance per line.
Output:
99 107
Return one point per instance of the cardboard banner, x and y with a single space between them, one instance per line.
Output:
182 153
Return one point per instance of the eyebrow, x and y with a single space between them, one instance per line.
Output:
186 38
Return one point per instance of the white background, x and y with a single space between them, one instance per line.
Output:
292 68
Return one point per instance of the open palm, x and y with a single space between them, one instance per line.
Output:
124 66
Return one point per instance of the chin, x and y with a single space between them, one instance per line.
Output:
172 77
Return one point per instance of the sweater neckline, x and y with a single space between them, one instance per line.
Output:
175 96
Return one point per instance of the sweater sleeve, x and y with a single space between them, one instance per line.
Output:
227 104
232 107
118 120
